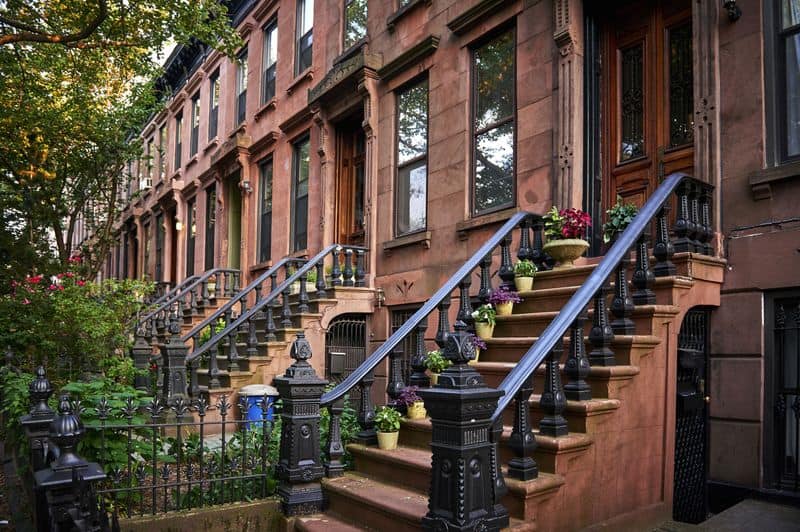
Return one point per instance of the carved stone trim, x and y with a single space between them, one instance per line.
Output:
410 57
297 119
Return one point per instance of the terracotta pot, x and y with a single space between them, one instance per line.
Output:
434 378
504 309
416 410
566 251
523 284
388 440
484 329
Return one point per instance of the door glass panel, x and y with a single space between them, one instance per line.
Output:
632 103
787 394
681 100
793 93
791 13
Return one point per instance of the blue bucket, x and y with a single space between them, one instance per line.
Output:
254 394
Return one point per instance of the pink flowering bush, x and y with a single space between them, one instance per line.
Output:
566 223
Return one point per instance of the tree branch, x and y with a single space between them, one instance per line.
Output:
30 33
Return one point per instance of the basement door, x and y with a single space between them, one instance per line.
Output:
690 495
345 348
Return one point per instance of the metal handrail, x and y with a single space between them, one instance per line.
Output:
195 280
242 293
231 327
172 291
531 360
411 324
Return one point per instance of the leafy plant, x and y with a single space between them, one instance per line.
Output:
618 218
485 314
311 276
15 404
504 295
436 362
566 223
525 268
408 396
206 334
387 419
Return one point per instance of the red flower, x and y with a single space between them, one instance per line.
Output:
52 287
80 282
70 275
26 301
59 276
36 279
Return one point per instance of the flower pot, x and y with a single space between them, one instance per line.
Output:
212 288
311 287
416 410
484 329
434 378
523 284
504 309
388 440
474 361
566 251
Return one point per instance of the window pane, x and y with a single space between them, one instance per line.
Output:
494 168
632 102
265 229
412 135
791 13
494 81
793 94
681 98
306 14
271 45
300 170
355 21
412 197
304 50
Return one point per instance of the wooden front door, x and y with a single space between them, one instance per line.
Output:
350 173
647 94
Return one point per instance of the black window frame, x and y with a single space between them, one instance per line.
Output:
304 42
241 86
414 161
213 110
178 140
265 215
210 226
474 48
299 207
269 72
775 101
191 234
194 140
162 151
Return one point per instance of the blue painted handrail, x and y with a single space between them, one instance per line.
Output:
182 289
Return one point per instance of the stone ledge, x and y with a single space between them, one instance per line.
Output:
464 227
761 180
421 237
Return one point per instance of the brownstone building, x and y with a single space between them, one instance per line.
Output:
415 127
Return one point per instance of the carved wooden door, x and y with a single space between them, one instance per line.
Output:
350 174
647 94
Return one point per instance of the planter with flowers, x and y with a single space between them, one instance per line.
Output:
565 231
618 218
484 317
524 271
479 344
415 406
436 363
387 423
503 300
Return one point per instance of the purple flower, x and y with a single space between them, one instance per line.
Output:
504 295
478 342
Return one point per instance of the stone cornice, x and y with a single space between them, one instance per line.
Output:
410 57
473 16
265 9
297 119
343 71
264 142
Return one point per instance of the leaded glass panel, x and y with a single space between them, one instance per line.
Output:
681 99
632 102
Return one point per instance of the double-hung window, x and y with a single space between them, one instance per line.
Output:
241 87
300 162
412 158
785 80
195 138
162 152
213 106
355 21
265 211
493 80
305 25
269 62
151 156
178 140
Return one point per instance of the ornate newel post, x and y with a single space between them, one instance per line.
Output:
173 354
463 477
37 422
299 467
142 352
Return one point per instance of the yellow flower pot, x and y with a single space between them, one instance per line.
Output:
416 410
504 309
523 284
484 329
474 361
434 378
388 440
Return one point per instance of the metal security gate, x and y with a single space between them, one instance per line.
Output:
345 348
690 496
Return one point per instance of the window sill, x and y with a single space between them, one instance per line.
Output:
307 74
420 237
213 143
192 161
261 266
391 20
352 50
176 175
264 109
463 228
761 180
241 128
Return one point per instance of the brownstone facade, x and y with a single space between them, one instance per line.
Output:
336 129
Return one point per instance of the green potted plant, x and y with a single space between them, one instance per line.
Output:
387 423
311 280
415 406
566 231
484 317
524 271
503 300
207 333
436 363
618 218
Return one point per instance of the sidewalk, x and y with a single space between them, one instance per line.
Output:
748 515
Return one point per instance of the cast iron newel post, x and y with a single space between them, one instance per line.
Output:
300 467
141 352
37 422
173 354
462 492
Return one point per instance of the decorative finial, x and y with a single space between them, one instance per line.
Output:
40 391
301 349
458 347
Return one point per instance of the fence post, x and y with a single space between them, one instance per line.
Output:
173 355
300 467
462 492
37 422
141 352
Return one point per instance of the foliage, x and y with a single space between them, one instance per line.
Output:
15 404
408 396
477 341
504 295
484 314
206 334
618 218
436 362
525 268
387 419
566 223
311 276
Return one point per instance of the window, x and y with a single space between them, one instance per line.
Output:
195 125
211 220
493 80
305 23
213 106
265 208
162 152
269 62
159 247
191 234
355 21
151 156
786 80
178 140
147 238
412 158
241 87
300 195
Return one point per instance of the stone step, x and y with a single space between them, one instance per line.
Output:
628 349
324 523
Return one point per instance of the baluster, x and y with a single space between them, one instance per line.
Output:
252 338
601 335
334 453
525 251
269 329
361 272
336 272
705 218
233 350
696 227
153 329
663 250
444 322
273 282
286 312
506 271
522 442
213 366
205 298
464 306
643 277
395 382
235 289
553 401
303 298
366 413
320 286
193 302
348 267
194 386
485 291
577 366
542 260
683 222
418 377
622 304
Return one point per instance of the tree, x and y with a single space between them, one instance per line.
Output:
77 84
